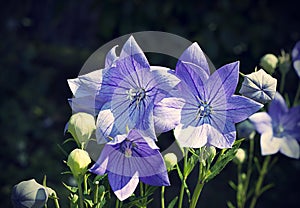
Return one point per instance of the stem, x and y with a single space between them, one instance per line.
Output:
117 203
198 187
260 180
142 192
283 75
163 197
185 158
297 95
56 203
96 192
79 182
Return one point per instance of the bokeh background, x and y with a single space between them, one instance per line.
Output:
43 43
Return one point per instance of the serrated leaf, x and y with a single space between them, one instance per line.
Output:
70 188
173 202
222 161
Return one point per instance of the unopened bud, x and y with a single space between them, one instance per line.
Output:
78 162
269 63
240 156
170 160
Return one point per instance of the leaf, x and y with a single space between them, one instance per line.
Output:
173 202
222 161
230 205
99 178
232 185
265 188
192 161
89 202
70 188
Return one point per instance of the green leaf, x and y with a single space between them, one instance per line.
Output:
192 161
222 161
99 178
232 185
70 188
88 202
173 202
230 205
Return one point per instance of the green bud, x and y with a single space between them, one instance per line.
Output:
78 162
244 176
240 156
269 63
81 126
170 160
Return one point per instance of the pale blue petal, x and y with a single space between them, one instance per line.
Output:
111 57
164 78
222 84
191 136
262 122
100 166
269 144
87 104
289 147
194 54
167 114
161 179
240 108
123 186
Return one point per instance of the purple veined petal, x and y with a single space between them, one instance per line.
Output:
221 132
240 108
291 119
100 166
161 179
194 54
88 84
222 83
123 186
111 57
167 114
262 122
277 108
192 77
163 78
191 136
289 147
87 104
269 144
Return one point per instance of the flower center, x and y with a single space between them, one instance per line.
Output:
203 110
127 147
136 95
279 131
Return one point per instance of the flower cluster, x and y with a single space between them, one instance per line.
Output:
134 102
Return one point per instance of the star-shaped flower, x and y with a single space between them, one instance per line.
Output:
131 160
279 128
210 109
259 86
133 91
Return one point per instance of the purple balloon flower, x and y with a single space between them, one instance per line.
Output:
131 160
296 58
210 109
134 91
279 128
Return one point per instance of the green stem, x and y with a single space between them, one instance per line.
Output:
297 95
185 159
239 191
55 198
282 81
260 180
198 187
96 192
117 203
79 182
163 197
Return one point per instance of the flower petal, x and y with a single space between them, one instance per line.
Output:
111 57
262 122
167 114
161 179
87 104
164 78
290 147
269 144
191 136
123 186
277 108
194 54
222 83
240 108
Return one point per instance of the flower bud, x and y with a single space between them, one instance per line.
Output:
269 63
259 86
29 194
78 162
170 160
81 126
284 62
240 155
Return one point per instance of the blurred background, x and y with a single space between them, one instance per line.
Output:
43 43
